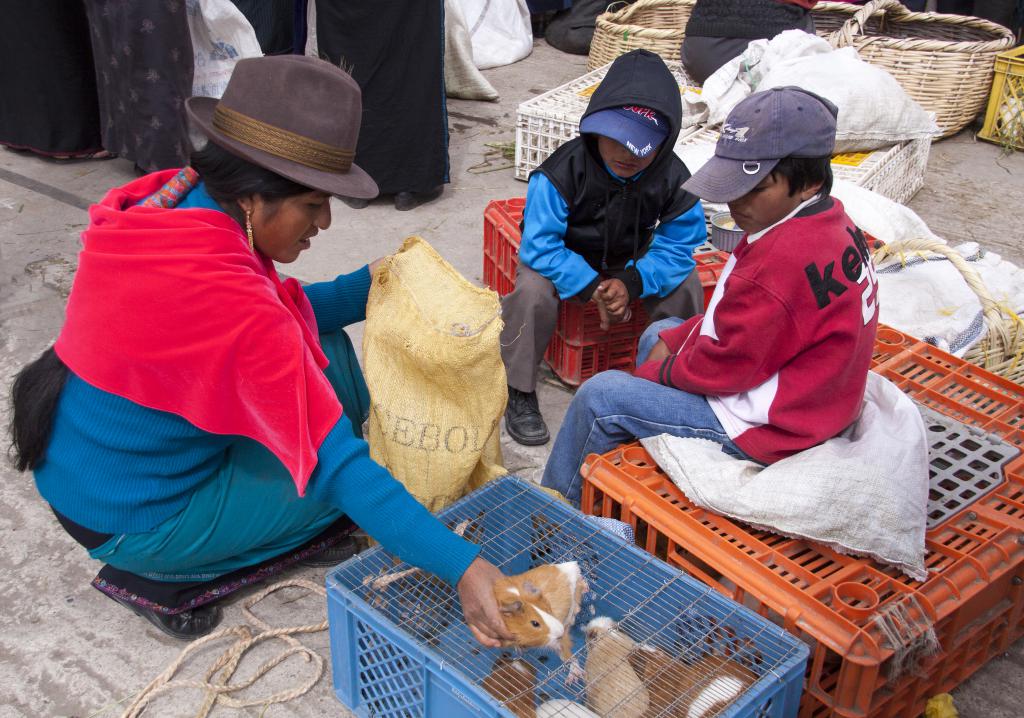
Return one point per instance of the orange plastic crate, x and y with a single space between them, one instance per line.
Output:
579 348
953 387
973 599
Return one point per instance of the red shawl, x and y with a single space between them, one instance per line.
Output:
171 310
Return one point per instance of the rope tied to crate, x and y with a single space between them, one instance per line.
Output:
217 689
909 632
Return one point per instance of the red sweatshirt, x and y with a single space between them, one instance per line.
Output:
783 351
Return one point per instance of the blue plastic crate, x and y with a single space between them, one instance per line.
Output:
403 651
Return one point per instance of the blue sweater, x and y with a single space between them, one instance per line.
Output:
663 267
115 466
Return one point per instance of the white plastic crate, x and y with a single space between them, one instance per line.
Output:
896 172
548 121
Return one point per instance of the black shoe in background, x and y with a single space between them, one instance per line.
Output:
404 201
523 421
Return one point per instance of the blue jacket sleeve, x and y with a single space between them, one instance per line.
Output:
669 259
348 479
341 301
543 245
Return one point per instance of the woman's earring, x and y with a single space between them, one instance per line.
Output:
248 230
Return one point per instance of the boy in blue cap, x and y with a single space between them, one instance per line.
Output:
779 361
606 221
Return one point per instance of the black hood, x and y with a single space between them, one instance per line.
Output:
641 78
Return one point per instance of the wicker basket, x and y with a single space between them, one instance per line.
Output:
655 25
945 62
1001 350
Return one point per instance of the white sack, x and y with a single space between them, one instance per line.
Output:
864 492
462 79
500 30
221 36
874 111
880 216
931 300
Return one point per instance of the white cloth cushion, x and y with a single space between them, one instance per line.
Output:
865 492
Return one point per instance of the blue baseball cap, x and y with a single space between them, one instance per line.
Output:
764 128
640 129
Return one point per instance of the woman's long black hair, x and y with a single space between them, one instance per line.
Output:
34 399
37 387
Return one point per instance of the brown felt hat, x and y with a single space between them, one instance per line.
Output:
294 115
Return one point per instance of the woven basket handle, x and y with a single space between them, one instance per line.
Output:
997 324
843 37
1002 38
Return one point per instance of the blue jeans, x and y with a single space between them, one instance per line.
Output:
614 407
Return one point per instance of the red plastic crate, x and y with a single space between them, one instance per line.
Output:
579 348
973 599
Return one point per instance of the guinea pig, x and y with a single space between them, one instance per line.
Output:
719 682
689 690
513 682
613 687
540 606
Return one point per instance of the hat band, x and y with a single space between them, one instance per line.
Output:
281 143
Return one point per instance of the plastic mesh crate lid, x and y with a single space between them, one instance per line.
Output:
518 527
965 464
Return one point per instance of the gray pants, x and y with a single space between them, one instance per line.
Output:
530 313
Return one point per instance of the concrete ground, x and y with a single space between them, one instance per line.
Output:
67 650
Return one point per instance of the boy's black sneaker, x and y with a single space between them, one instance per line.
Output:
523 421
187 625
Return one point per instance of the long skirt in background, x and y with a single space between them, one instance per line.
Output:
144 64
48 89
395 49
273 21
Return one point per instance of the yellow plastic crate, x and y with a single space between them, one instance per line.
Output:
1004 119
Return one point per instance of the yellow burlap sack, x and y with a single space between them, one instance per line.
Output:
437 383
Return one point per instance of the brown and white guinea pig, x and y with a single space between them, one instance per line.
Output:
613 688
540 606
689 690
513 682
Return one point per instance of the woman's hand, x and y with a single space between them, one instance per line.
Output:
480 609
374 264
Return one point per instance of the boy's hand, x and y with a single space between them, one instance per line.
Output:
659 352
614 294
612 300
479 607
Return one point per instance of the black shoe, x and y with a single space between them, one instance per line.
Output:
332 556
187 625
355 202
523 421
405 201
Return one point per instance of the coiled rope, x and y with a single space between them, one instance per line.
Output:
216 684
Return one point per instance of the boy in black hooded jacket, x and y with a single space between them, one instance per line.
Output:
607 221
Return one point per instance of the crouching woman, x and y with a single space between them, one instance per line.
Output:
197 425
